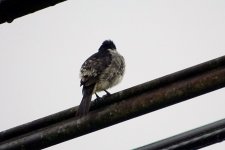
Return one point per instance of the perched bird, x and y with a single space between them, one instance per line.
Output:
99 72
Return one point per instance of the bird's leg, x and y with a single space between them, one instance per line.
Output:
107 93
98 99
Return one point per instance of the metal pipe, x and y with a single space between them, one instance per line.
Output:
151 85
140 99
12 9
193 139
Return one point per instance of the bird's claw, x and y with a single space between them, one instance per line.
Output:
98 99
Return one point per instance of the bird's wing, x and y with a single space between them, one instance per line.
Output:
93 67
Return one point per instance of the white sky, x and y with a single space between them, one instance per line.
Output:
41 54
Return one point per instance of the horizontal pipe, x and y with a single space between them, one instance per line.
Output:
151 85
193 139
12 9
140 99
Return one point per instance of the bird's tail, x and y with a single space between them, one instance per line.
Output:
86 100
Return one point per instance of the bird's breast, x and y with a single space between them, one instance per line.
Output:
113 74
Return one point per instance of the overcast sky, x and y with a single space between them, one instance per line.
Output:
41 55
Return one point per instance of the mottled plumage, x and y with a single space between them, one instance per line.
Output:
99 72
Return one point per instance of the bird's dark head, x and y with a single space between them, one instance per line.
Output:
107 44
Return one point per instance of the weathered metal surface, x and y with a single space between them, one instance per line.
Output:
125 105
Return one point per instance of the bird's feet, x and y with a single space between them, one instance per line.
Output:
98 99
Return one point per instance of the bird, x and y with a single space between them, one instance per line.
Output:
101 71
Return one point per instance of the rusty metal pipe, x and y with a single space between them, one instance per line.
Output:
140 99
